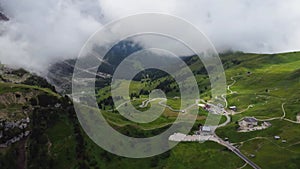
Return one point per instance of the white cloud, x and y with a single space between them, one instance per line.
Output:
251 25
44 31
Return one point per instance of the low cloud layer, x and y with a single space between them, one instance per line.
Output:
251 25
42 32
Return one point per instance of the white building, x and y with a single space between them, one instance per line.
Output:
205 130
276 137
233 108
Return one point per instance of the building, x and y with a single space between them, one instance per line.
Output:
201 105
276 137
266 124
207 106
233 108
206 129
248 122
252 155
203 130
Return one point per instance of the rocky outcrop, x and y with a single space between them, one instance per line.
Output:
13 131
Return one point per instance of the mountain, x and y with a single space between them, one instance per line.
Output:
30 113
261 87
40 130
39 127
60 73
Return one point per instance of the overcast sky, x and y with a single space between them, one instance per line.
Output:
41 32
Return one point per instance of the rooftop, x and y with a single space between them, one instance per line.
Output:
277 137
250 119
206 128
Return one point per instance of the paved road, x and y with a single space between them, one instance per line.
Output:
224 97
228 119
242 111
234 150
237 152
146 102
234 81
214 137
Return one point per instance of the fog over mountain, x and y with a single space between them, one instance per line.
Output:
42 32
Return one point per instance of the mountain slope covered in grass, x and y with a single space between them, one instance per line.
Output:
269 83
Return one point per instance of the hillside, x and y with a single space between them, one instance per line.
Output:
29 110
262 86
54 139
269 83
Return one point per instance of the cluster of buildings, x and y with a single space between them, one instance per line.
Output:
278 138
251 124
214 109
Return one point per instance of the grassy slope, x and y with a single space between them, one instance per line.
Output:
278 73
9 155
274 80
62 145
184 155
10 87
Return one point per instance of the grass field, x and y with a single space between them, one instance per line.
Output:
266 82
184 155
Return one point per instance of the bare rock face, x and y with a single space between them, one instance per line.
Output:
3 17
